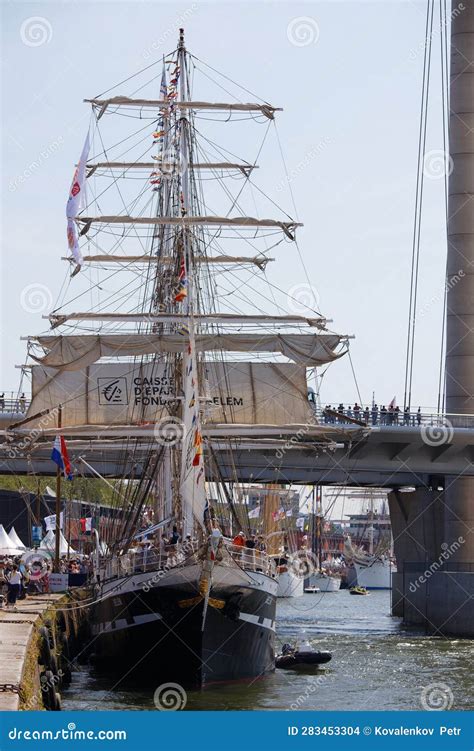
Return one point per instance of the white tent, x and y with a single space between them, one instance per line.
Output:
6 545
48 543
15 539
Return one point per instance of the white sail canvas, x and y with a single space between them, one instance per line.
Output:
127 394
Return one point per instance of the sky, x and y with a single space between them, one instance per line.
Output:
348 76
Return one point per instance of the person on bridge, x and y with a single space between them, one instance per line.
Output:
406 416
418 416
356 411
383 415
366 415
396 415
375 414
2 401
22 403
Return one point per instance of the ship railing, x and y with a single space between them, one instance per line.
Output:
149 559
251 559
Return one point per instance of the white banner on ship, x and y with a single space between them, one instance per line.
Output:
109 394
257 393
130 394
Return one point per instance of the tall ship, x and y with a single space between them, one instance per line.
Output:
369 546
326 575
163 361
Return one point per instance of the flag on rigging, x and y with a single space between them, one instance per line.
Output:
86 525
60 456
181 289
163 86
50 522
73 205
198 448
255 513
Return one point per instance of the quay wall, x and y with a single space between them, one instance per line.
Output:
38 642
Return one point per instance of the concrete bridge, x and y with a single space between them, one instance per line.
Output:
392 456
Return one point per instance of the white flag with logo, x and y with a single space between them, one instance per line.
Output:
50 522
76 201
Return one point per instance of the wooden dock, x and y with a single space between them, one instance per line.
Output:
16 629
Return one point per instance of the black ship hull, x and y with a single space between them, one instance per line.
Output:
154 631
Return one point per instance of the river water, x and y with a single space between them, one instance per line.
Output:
377 664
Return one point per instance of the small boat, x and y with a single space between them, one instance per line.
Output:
358 591
296 659
312 590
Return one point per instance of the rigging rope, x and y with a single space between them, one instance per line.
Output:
418 205
445 105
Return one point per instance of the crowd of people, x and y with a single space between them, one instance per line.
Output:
374 415
18 579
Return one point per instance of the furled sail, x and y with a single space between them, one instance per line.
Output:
131 394
77 352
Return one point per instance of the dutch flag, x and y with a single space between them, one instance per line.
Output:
60 456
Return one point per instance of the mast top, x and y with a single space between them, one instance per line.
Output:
181 40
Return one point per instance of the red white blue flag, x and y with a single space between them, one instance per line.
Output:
60 456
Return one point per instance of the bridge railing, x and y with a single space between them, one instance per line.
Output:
375 417
11 402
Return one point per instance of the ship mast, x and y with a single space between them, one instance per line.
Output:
192 485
